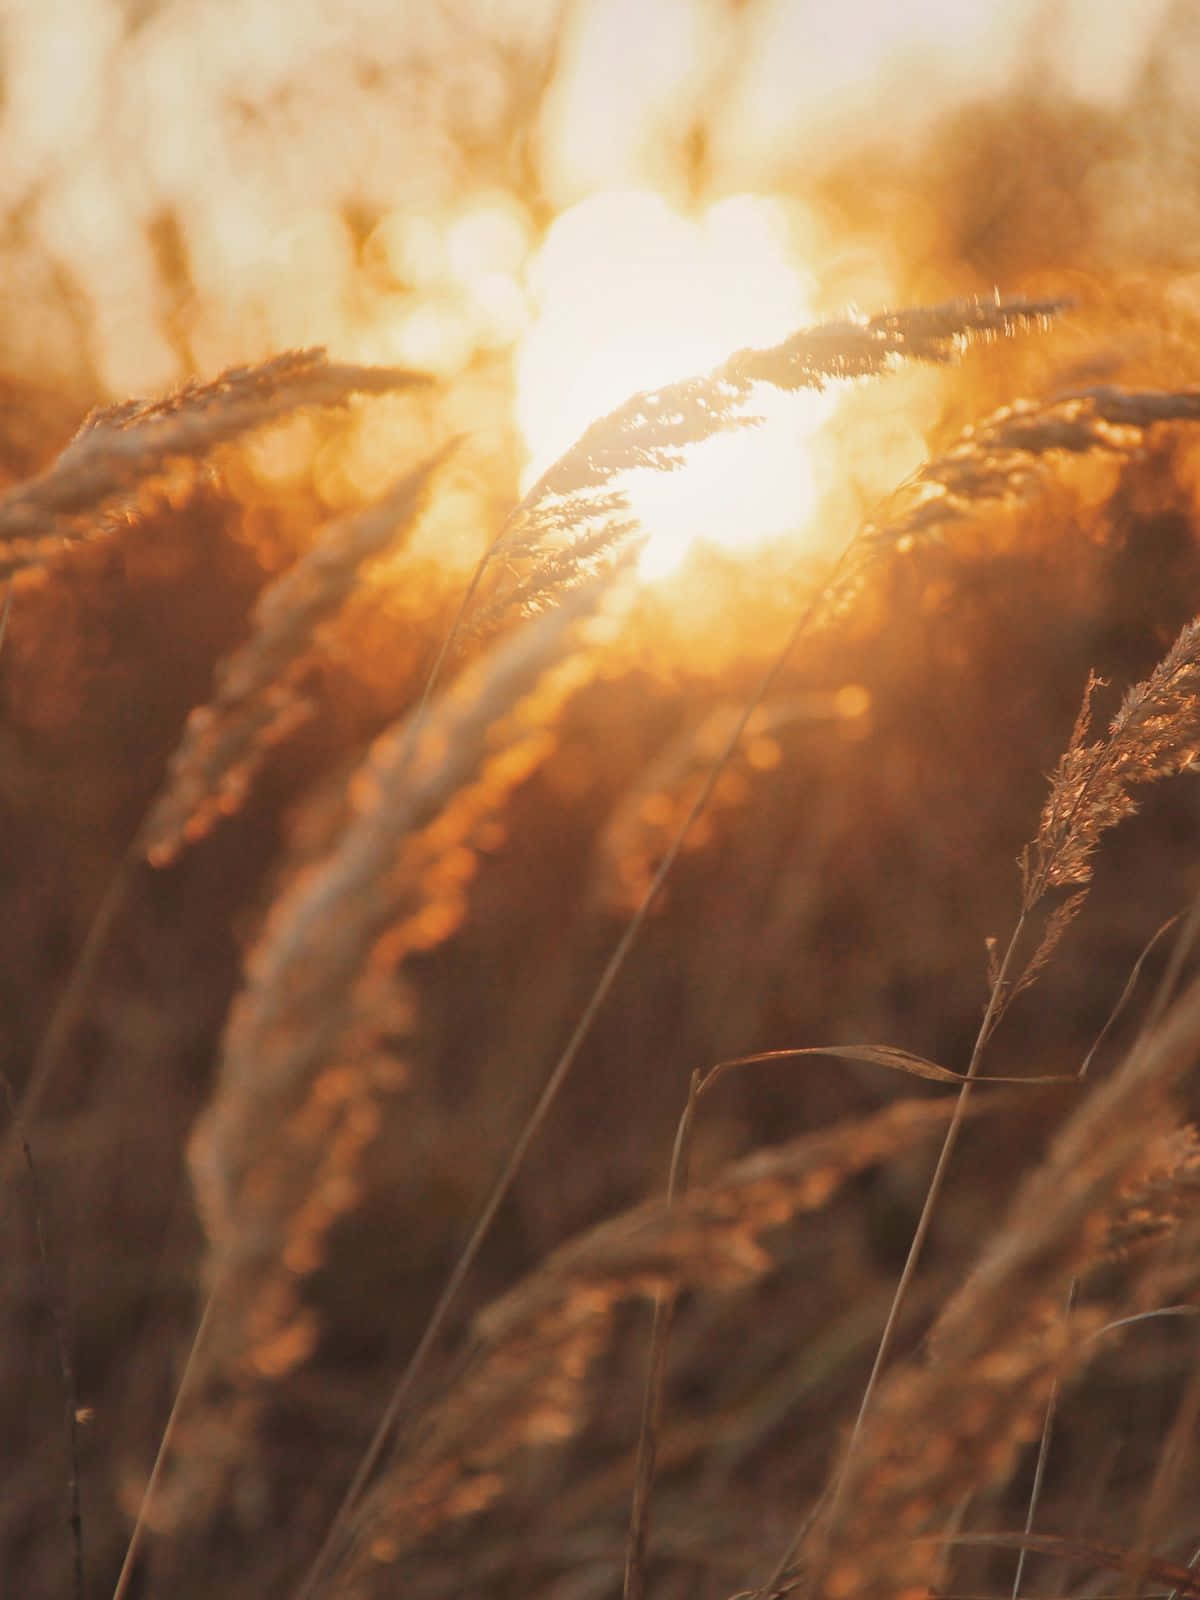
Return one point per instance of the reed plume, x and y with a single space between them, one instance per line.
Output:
1008 460
953 1425
259 698
1155 734
578 510
316 1037
120 447
526 1384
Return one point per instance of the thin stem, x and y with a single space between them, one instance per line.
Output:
1135 1317
532 1127
451 637
125 1576
553 1085
1193 1563
68 1008
932 1195
1126 994
1177 1448
1039 1471
56 1302
652 1402
1180 951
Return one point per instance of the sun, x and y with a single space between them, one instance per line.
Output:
629 294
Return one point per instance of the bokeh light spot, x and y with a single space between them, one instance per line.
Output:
629 294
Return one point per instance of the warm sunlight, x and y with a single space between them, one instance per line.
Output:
629 294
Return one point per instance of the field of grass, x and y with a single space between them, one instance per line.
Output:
377 916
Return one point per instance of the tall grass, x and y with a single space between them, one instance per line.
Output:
351 1098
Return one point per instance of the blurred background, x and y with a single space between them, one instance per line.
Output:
544 206
548 206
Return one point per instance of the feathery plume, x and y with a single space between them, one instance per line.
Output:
525 1384
1155 734
954 1425
258 698
311 1042
1157 1201
998 459
577 510
118 448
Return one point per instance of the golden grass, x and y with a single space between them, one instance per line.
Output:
449 841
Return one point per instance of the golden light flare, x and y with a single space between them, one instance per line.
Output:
627 295
448 287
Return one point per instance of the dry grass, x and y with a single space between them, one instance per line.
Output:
349 1026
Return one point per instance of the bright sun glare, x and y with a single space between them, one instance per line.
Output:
630 295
